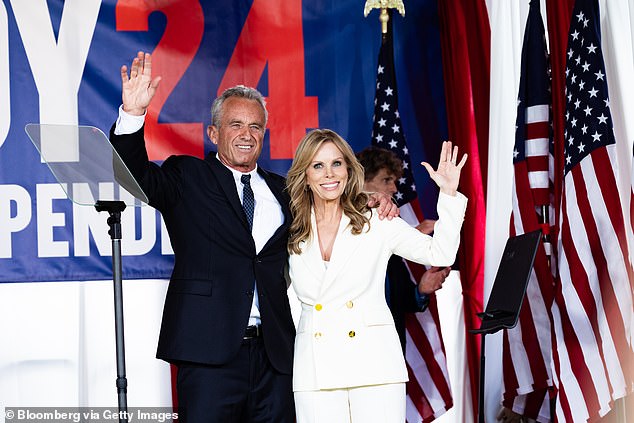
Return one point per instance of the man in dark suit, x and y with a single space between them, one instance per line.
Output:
226 322
382 169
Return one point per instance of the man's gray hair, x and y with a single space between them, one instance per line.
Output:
237 91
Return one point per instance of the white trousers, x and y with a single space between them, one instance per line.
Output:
365 404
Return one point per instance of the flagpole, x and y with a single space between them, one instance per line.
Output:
384 16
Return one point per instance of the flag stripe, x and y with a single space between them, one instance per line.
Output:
430 323
415 333
422 373
612 272
539 294
574 373
539 404
511 382
589 265
565 381
417 396
537 113
536 147
411 411
614 245
528 339
608 186
589 364
539 181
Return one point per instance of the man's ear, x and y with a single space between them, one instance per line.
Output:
212 133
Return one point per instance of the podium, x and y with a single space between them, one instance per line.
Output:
91 173
507 294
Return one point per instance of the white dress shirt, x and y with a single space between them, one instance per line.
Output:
267 217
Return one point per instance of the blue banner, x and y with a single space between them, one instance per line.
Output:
314 60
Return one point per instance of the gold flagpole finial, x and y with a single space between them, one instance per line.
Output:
384 5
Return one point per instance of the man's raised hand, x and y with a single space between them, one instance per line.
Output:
138 88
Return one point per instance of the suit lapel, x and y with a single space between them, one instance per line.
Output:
278 191
311 254
228 186
280 195
344 248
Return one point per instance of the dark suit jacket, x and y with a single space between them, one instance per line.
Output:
211 288
402 295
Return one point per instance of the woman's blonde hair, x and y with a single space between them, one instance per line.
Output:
353 200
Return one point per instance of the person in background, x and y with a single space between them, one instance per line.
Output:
348 364
227 322
382 170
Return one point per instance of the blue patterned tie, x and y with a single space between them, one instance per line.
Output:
248 201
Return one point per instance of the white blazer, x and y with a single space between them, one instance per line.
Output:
346 335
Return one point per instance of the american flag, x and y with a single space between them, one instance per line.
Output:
526 357
592 313
428 389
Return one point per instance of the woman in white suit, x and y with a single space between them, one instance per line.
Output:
348 364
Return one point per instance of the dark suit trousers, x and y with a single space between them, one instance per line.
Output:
248 389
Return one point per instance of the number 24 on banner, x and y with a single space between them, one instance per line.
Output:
272 34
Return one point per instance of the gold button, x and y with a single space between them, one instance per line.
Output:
351 334
317 335
318 307
349 304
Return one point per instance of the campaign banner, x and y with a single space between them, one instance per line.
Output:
314 60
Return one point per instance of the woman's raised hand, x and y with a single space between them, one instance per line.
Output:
447 176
